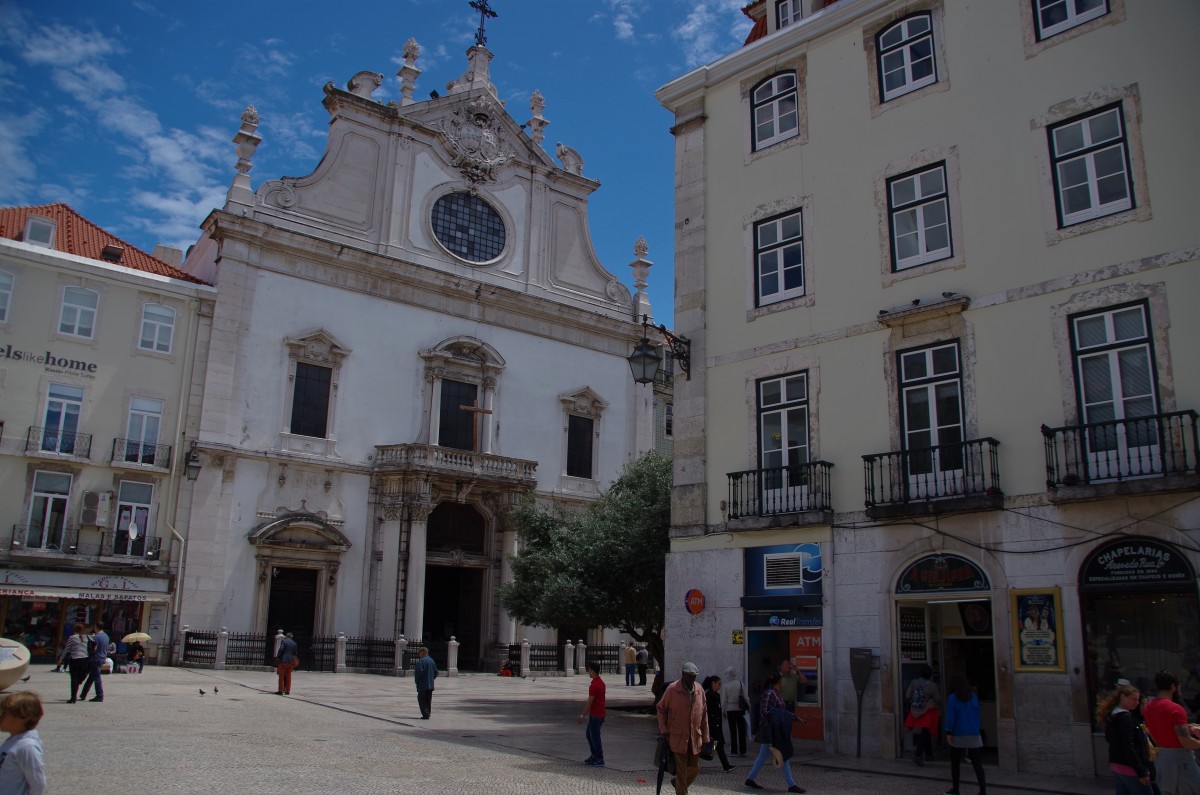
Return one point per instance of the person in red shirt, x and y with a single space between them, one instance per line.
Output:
593 712
1166 721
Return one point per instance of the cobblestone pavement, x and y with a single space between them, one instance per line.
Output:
349 733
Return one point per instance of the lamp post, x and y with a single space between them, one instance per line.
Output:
193 465
645 359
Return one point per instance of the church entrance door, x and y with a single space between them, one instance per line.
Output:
293 606
454 607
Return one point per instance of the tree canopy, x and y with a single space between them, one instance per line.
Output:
600 567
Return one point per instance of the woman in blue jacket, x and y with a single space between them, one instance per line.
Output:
962 731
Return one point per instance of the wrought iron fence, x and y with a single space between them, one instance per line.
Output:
371 653
1158 445
250 648
321 654
791 489
608 657
53 440
545 657
965 469
135 451
200 648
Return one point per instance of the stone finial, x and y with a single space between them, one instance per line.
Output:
640 247
412 51
409 73
478 74
538 123
641 271
246 141
570 159
364 83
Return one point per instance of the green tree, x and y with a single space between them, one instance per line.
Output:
600 567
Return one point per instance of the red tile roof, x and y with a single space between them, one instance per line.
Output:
76 235
757 13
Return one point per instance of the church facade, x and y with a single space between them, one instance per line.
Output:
405 342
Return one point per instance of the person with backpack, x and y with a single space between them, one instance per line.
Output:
922 719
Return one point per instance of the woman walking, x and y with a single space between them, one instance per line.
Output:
75 656
923 698
774 733
712 701
734 704
1127 753
962 732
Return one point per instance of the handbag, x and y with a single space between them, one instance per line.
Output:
295 663
743 702
1151 748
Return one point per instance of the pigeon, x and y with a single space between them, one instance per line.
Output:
202 691
216 689
26 679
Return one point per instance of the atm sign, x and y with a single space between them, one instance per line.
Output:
694 601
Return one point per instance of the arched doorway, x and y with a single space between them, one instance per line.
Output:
457 566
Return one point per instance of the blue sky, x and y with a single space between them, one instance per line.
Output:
125 109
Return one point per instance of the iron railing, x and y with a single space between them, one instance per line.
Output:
608 657
791 489
377 654
321 654
54 539
52 440
118 544
200 648
1158 445
250 649
546 657
966 469
135 451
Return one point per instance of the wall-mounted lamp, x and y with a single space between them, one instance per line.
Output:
645 360
193 465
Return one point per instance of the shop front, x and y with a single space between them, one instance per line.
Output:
944 620
40 608
783 618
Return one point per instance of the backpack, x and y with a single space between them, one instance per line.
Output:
919 701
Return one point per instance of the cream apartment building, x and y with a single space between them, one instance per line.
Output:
938 263
97 340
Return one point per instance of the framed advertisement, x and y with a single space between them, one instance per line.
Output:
1037 630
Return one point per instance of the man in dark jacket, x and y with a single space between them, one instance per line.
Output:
285 663
423 674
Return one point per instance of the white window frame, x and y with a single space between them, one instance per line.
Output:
771 94
1086 154
62 400
7 282
157 334
787 12
35 224
131 509
904 47
779 247
587 404
56 502
142 430
944 474
77 315
775 487
924 199
1074 16
316 347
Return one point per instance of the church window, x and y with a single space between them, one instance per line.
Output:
468 227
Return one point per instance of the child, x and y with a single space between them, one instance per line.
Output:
21 768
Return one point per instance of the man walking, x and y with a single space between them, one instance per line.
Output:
423 674
643 659
630 655
683 720
593 713
285 663
99 646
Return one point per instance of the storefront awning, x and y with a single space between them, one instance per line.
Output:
79 594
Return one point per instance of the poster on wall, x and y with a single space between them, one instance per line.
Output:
1037 629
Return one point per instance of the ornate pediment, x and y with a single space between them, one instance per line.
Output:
476 140
583 401
299 530
317 345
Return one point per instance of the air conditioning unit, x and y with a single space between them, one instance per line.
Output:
97 509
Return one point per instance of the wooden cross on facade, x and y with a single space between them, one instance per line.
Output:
475 410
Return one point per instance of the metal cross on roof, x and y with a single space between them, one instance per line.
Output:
485 13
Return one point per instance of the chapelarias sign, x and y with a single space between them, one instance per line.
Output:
942 573
59 365
1136 561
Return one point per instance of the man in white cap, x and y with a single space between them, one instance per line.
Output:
683 720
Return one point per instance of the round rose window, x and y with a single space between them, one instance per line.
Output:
468 227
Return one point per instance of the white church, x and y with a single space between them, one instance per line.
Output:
405 342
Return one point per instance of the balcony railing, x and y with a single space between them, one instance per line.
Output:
53 440
452 461
39 537
768 492
135 451
1160 445
966 469
118 544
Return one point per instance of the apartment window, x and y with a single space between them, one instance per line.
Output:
932 412
64 404
48 510
6 290
580 439
158 327
1090 159
779 258
310 400
783 426
906 59
40 232
919 213
1116 382
141 435
669 419
786 12
78 315
774 107
133 518
1055 16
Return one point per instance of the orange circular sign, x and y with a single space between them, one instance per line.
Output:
693 600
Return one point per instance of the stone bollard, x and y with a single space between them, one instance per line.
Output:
182 641
581 657
275 648
569 659
222 649
339 653
524 657
398 662
452 657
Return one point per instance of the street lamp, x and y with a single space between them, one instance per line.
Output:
192 467
645 359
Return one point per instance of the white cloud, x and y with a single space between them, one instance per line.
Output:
16 162
625 13
712 29
293 136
